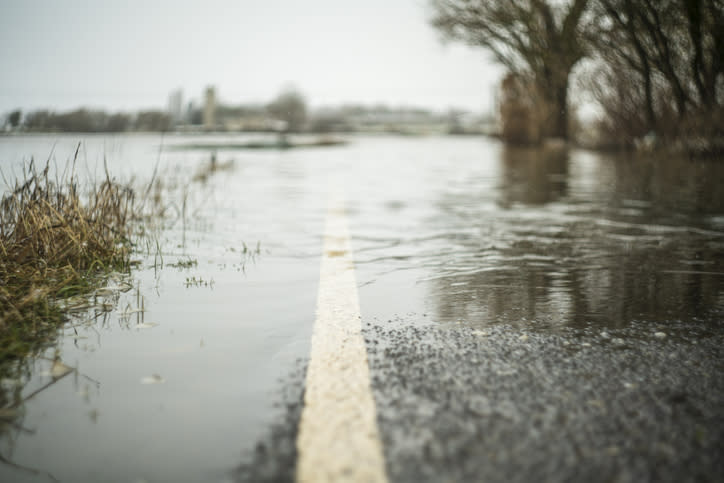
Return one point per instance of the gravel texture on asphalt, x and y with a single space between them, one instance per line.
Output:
455 404
504 404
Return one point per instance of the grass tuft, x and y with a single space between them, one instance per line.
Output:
54 242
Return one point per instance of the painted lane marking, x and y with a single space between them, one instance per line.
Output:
338 438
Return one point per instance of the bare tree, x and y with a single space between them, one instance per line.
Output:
620 43
667 54
14 118
290 108
542 39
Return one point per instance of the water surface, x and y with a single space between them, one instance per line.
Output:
458 230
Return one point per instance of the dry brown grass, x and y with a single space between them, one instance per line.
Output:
54 240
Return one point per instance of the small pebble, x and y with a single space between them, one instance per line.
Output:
660 335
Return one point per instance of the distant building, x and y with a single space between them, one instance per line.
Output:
209 116
193 114
175 107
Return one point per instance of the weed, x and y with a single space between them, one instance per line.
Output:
182 264
54 242
198 282
213 166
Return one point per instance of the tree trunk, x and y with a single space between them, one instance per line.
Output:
650 114
560 115
555 109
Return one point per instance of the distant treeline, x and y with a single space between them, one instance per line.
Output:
288 112
85 120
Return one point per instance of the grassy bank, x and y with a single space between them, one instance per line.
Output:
55 242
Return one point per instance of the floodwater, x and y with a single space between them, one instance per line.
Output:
177 377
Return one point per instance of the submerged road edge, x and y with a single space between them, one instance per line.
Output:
338 439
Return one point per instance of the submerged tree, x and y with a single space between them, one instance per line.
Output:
540 39
669 54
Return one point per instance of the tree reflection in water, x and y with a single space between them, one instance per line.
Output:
583 239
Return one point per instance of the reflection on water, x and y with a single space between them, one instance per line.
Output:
533 176
583 239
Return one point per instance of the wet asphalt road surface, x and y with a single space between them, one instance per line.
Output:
514 405
507 404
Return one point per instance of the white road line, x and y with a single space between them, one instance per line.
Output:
338 439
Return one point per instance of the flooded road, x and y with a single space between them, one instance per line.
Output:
551 238
526 312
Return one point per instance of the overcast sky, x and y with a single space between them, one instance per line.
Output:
130 54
